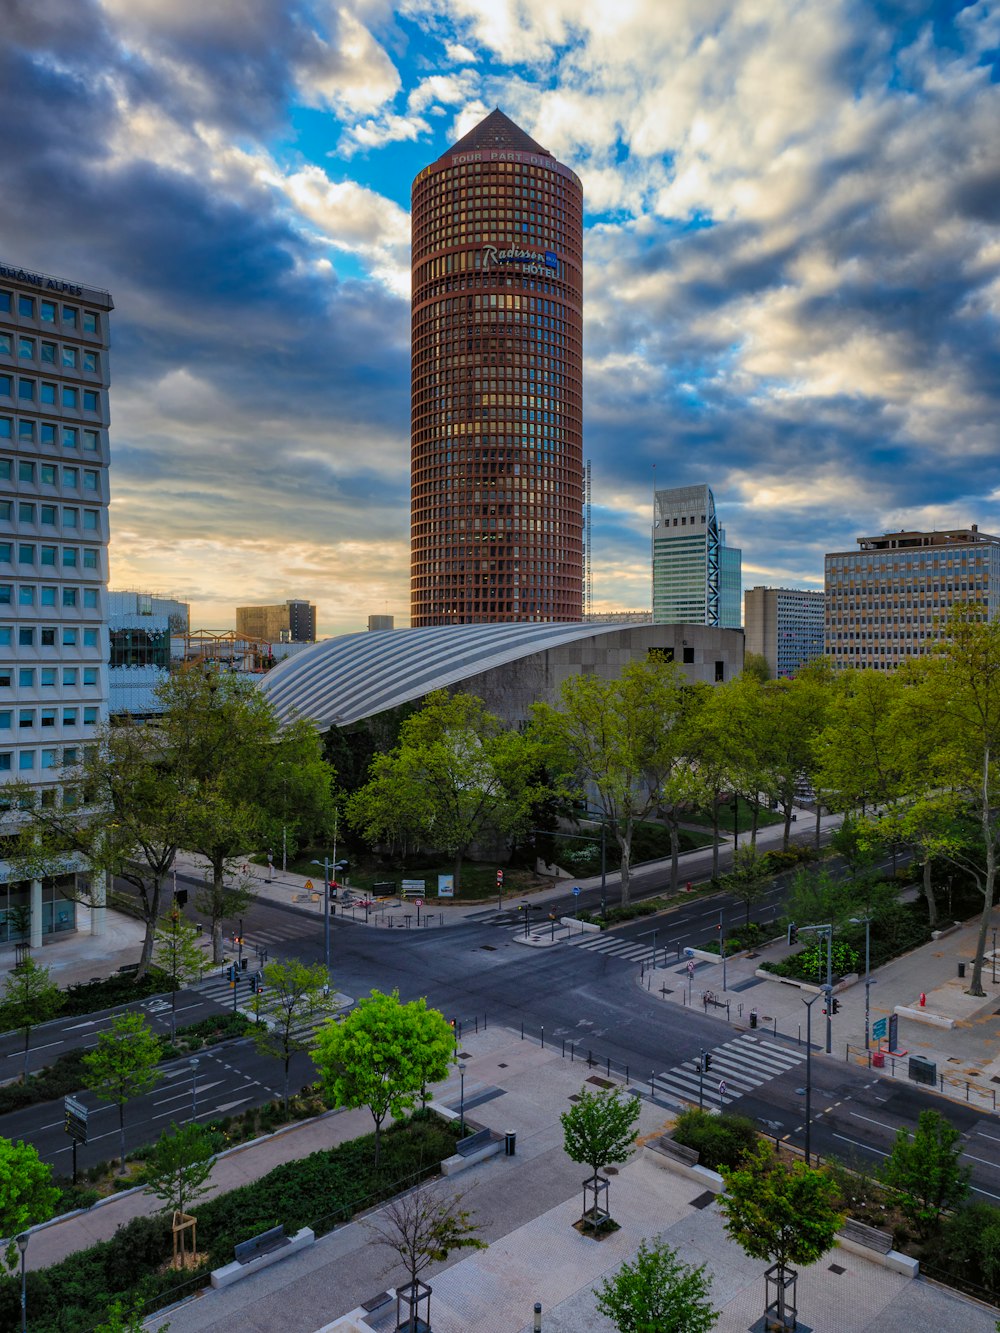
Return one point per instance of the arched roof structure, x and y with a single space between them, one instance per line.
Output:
353 676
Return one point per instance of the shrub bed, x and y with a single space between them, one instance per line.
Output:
317 1191
90 996
743 937
719 1140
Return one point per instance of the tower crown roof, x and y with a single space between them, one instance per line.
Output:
497 131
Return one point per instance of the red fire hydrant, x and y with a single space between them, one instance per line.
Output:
923 999
689 886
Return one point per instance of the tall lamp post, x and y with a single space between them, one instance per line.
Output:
325 863
461 1111
194 1087
867 921
22 1245
809 1046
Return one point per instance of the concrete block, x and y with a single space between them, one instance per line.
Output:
709 1180
927 1016
234 1272
451 1166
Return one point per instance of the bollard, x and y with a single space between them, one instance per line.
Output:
543 1036
522 1029
609 1066
923 999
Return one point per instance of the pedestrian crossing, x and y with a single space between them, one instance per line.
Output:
614 946
219 989
736 1068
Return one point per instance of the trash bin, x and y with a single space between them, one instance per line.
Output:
753 1018
878 1059
509 1144
961 969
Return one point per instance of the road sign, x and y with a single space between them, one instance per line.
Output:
893 1031
75 1119
419 902
879 1028
722 1088
308 886
577 891
691 968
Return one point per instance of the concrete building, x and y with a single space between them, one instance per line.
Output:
377 624
146 636
785 626
54 418
887 601
697 579
355 676
496 395
291 622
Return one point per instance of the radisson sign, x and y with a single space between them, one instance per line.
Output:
537 264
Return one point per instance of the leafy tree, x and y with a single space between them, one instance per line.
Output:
27 1195
30 997
423 1229
178 953
179 1166
382 1055
599 1129
295 995
925 1170
783 1214
238 774
748 878
755 665
742 737
704 725
793 712
658 1294
615 742
123 1065
124 1318
456 774
858 759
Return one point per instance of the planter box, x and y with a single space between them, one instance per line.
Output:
843 984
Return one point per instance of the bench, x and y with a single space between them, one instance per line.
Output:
128 970
473 1142
262 1244
862 1234
680 1153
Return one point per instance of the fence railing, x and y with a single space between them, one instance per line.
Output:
898 1066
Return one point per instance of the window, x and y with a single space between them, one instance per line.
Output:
71 397
49 758
6 635
25 430
26 553
47 394
5 505
47 310
47 676
48 637
48 354
69 638
71 517
6 677
5 718
70 313
69 717
49 514
6 385
69 675
48 597
26 390
90 717
49 717
49 555
26 595
25 636
26 349
6 428
26 678
90 400
5 344
90 638
25 511
69 754
26 717
69 597
71 437
90 558
5 302
89 480
26 760
26 306
48 432
6 594
90 675
69 556
5 759
5 553
25 471
69 358
48 474
90 324
71 476
90 361
90 519
90 598
90 441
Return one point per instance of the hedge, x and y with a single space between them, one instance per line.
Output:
719 1140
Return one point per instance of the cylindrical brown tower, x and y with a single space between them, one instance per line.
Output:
496 480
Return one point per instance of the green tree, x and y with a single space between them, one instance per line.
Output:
793 713
382 1055
123 1065
178 953
238 774
658 1294
748 879
783 1214
27 1195
925 1170
129 1318
179 1166
423 1229
294 996
757 667
599 1128
30 997
614 742
457 774
858 764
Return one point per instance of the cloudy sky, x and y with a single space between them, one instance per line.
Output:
792 265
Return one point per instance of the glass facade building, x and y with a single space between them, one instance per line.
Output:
887 601
785 626
695 580
496 519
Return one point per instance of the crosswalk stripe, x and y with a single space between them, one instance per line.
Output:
741 1063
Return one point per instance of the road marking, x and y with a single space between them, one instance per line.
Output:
985 1161
858 1116
977 1190
867 1147
992 1137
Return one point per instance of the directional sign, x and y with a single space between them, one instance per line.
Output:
879 1028
691 968
893 1031
722 1088
577 891
75 1119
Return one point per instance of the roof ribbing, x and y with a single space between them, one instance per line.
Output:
497 131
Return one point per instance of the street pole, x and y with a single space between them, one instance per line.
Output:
701 1081
868 980
240 945
604 870
22 1245
829 990
326 909
461 1113
809 1004
994 956
194 1088
722 949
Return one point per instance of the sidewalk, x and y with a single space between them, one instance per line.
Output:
525 1207
967 1054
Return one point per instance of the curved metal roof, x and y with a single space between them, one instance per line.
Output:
342 680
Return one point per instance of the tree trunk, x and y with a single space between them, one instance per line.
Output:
675 848
932 912
976 985
121 1122
378 1137
818 816
24 1071
458 871
218 894
715 839
788 827
152 917
288 1061
753 824
625 848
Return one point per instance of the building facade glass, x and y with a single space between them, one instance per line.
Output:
686 543
496 388
785 626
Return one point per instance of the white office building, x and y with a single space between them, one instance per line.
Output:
53 551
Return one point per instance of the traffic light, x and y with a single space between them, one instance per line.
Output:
181 897
835 1006
499 879
231 973
706 1061
793 933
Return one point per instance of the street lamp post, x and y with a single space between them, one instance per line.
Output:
22 1245
461 1111
994 956
325 863
194 1087
809 1004
722 949
857 921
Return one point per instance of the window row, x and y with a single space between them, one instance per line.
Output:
26 760
51 354
48 717
48 636
47 676
30 595
48 515
40 391
48 312
48 474
27 552
47 432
